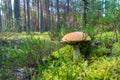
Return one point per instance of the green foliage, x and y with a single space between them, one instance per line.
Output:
103 68
116 49
106 44
18 50
58 63
39 48
102 29
107 36
67 51
24 52
100 51
63 68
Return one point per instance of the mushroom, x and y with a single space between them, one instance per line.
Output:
74 38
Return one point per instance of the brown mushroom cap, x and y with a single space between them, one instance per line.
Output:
75 37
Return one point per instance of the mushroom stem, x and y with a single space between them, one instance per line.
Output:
76 51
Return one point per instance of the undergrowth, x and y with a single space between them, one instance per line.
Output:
53 61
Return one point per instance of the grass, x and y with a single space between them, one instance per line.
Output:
20 50
52 61
14 35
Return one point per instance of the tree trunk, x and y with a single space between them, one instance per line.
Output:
10 16
10 9
58 14
48 15
68 7
85 12
17 13
41 17
0 21
28 15
38 10
25 22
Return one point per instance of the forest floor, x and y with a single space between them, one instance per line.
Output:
35 56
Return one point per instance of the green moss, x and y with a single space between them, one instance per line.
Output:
64 53
100 51
107 36
116 49
32 49
101 29
102 68
107 43
15 35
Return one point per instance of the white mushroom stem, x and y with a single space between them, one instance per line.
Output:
76 51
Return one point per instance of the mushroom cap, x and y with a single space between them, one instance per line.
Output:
75 37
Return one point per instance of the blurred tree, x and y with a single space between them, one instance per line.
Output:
58 14
41 15
28 14
67 6
10 9
17 13
0 18
85 12
34 17
25 22
38 11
